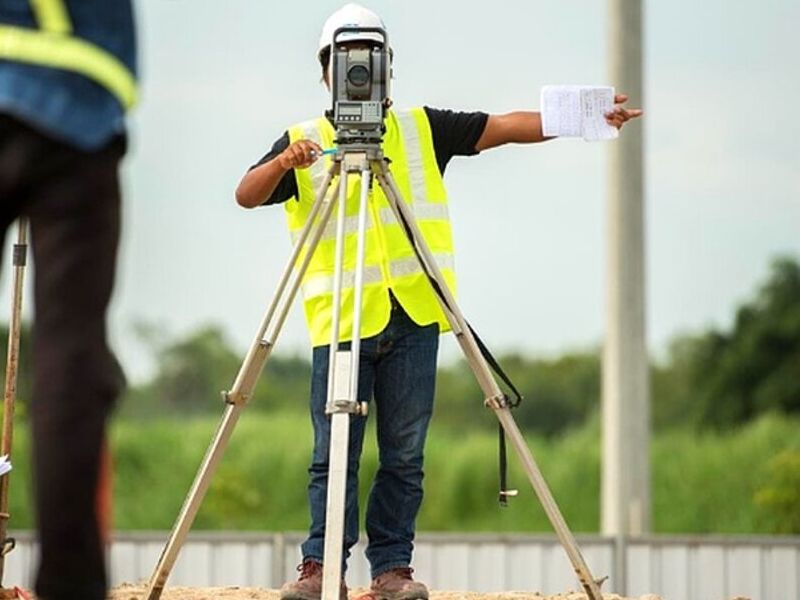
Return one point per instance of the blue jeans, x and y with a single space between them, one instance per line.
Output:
398 369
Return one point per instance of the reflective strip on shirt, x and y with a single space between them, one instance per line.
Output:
329 233
416 166
58 51
52 16
323 284
410 266
422 212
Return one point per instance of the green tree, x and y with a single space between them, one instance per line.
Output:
193 370
673 388
722 378
284 385
557 393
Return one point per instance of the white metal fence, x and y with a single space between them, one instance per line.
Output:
674 567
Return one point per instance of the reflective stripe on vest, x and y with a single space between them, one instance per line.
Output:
422 212
416 169
409 266
319 285
52 46
390 262
329 233
52 16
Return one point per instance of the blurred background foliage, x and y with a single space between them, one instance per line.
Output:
725 414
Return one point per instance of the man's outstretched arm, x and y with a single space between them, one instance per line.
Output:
525 127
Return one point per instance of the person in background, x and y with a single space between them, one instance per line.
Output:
67 78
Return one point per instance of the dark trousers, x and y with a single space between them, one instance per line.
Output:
397 369
72 200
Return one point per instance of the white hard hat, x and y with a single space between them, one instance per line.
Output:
350 15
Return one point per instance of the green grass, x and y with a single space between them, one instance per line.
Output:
704 482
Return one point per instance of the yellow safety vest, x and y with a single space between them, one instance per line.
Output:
390 262
53 45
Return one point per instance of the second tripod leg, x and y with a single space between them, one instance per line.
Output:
493 394
344 377
337 487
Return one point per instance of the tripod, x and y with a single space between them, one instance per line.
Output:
366 160
12 365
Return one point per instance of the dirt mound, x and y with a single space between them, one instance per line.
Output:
132 592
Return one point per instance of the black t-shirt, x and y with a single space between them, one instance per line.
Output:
453 133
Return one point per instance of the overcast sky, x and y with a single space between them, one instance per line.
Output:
222 80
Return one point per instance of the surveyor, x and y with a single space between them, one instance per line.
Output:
401 318
67 77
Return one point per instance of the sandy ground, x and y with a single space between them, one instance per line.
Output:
132 592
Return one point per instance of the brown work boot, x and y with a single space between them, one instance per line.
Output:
309 584
397 584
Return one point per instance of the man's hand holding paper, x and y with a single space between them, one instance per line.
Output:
620 114
591 112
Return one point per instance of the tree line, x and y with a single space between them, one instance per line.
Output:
713 379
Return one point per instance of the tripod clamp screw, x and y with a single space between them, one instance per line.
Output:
499 401
235 398
347 406
7 546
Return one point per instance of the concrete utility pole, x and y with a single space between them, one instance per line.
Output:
626 397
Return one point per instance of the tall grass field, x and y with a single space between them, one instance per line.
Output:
740 481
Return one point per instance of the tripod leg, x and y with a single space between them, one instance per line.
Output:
193 500
343 383
245 381
338 383
494 395
12 363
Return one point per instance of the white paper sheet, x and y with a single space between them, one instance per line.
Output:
577 111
